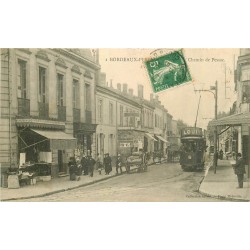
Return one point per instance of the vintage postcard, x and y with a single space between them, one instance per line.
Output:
158 124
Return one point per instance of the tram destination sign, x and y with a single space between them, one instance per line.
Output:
191 131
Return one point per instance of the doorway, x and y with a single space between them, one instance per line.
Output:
60 160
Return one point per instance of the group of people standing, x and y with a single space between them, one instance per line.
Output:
87 164
78 167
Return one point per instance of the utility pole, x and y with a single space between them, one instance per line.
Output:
215 128
215 93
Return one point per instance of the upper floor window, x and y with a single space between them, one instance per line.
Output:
245 74
99 110
42 85
246 92
111 111
60 90
87 97
121 115
76 94
22 79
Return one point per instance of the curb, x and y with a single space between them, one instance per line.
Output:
67 189
220 197
71 188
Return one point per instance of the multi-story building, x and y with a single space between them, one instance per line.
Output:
47 105
239 136
160 125
127 122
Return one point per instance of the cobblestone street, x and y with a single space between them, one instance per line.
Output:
165 182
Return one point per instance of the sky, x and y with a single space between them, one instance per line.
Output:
206 67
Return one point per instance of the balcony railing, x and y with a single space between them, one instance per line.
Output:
43 110
23 107
61 113
88 116
76 115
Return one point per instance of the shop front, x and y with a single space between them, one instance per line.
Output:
130 141
241 124
44 150
149 140
160 145
85 134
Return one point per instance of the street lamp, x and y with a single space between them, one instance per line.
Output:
215 93
215 88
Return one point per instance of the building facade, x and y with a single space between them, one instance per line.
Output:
47 105
128 123
234 130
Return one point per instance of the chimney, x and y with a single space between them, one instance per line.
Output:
130 91
111 83
140 91
125 88
119 87
151 97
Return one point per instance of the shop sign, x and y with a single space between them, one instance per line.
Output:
125 144
191 132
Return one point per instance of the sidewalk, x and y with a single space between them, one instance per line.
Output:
59 184
224 183
56 185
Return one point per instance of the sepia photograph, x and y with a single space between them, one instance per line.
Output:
134 125
124 125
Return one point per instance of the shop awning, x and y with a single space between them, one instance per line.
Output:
58 139
150 136
162 139
236 120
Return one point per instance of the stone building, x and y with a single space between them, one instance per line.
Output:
237 125
47 105
160 125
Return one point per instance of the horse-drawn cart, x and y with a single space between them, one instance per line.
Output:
137 159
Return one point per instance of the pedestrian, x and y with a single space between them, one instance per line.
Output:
84 165
91 164
221 154
98 161
78 169
107 164
239 170
72 168
119 164
99 164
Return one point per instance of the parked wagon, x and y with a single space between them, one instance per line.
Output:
137 159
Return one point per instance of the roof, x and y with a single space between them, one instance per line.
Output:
237 119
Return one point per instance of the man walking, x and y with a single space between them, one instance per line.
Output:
119 164
84 165
107 164
239 170
91 164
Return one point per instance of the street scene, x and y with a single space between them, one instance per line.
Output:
86 125
168 181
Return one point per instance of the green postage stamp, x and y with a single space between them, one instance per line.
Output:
168 71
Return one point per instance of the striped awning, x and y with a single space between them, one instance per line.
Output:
162 139
58 139
150 136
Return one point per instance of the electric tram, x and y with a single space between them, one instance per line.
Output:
193 148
